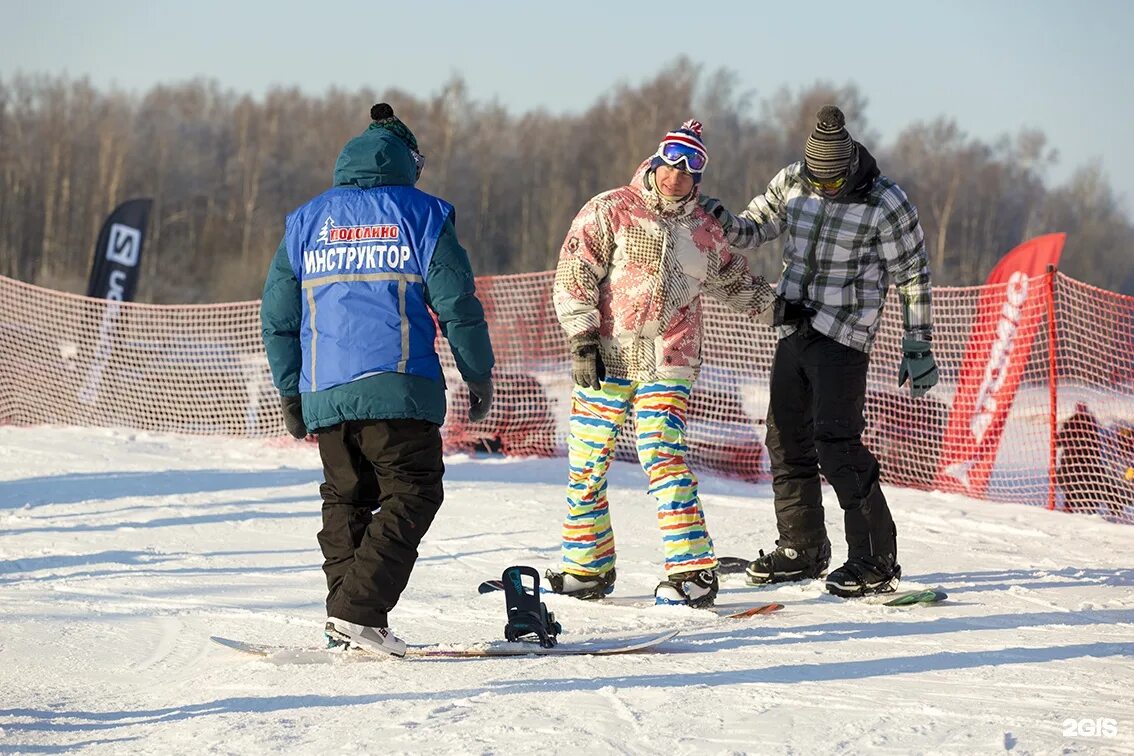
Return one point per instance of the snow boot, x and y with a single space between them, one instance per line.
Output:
378 640
697 589
862 576
581 586
785 564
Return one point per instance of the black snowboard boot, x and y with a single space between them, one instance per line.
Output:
581 586
697 589
786 564
862 576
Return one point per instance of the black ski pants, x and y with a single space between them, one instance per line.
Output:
381 492
815 422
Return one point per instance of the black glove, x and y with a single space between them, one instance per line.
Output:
293 415
713 207
789 312
480 400
587 369
918 366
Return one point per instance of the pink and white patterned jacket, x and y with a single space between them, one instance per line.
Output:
630 277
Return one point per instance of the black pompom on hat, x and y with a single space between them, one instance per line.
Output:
383 115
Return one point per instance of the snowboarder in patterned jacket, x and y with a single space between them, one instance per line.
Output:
848 232
348 326
628 294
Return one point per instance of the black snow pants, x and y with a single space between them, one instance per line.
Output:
382 489
815 422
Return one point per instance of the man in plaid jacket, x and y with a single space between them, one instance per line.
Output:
849 232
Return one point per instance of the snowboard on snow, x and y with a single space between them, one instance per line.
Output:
728 565
738 565
909 598
602 646
731 612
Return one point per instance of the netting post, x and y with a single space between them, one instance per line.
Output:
1052 380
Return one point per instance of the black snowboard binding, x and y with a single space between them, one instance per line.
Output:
528 617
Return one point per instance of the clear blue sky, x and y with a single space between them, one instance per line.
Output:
996 66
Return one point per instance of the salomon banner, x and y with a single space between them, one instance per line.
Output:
118 252
1010 310
114 277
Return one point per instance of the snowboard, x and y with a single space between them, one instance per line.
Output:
750 612
731 612
726 565
909 598
728 611
738 565
729 565
605 646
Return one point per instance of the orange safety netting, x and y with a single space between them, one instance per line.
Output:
199 369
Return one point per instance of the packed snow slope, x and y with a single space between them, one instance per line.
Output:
122 552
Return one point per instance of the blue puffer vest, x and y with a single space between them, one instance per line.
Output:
361 257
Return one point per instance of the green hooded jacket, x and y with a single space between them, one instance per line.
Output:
377 157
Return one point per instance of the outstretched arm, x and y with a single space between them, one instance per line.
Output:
762 221
733 284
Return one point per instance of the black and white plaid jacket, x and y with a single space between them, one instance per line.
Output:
840 257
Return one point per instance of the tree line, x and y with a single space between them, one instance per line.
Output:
224 169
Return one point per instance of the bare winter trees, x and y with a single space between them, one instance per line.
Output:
224 168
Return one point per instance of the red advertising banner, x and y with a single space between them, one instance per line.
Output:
1000 343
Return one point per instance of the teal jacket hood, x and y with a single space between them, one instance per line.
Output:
376 157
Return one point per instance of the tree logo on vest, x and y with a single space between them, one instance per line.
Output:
330 233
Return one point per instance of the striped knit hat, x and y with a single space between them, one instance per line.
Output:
689 135
829 149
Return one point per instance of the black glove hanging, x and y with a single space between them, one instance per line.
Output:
587 369
480 400
293 415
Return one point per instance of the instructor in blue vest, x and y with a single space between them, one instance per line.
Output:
348 326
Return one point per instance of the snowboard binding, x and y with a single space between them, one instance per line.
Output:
528 618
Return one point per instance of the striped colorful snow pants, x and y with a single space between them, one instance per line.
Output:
596 419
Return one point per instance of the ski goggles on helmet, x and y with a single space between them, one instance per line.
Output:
675 153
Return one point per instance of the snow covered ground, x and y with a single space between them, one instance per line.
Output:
122 552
